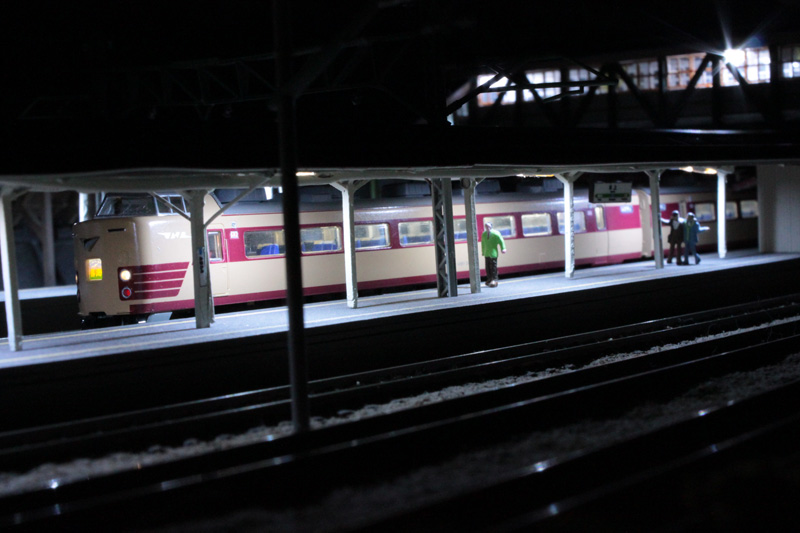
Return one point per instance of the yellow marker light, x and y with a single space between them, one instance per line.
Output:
125 274
94 269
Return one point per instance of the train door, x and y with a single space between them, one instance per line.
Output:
601 240
218 259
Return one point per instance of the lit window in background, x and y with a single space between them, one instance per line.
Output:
790 58
752 63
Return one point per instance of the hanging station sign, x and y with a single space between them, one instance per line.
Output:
603 193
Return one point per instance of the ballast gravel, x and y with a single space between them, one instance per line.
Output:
351 506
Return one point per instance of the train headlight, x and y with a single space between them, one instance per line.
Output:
125 274
94 269
126 292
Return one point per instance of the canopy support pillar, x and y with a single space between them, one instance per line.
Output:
203 299
469 186
442 198
48 241
655 216
568 179
722 242
8 255
348 190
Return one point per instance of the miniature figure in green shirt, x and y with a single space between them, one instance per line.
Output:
490 240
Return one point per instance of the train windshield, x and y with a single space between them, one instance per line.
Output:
127 206
118 205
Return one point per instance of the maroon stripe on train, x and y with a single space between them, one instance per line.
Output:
138 287
160 267
146 295
146 281
156 276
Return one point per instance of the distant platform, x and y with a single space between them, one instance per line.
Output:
52 347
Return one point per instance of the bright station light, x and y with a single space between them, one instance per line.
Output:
734 56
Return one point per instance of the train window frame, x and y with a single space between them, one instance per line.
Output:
579 223
216 252
705 211
459 232
324 244
600 218
500 222
275 245
746 211
410 223
542 216
176 202
384 238
145 206
731 211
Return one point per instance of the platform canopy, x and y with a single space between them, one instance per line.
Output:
407 153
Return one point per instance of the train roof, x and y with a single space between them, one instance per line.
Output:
258 203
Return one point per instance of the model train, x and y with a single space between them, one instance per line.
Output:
133 259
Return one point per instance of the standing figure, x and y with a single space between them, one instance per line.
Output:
692 231
489 243
675 237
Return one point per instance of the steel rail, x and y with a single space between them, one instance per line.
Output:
172 425
436 429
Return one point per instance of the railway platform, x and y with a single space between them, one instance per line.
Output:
77 344
97 372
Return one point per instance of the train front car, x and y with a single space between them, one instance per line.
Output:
132 259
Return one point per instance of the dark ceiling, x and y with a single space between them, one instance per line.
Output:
93 85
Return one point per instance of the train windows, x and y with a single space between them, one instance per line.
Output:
790 59
705 212
414 233
176 205
505 225
579 225
460 229
731 211
127 206
372 236
536 224
600 218
321 239
264 243
215 246
749 208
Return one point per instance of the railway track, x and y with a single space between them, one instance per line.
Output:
583 491
593 391
172 425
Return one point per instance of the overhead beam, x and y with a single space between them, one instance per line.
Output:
689 90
